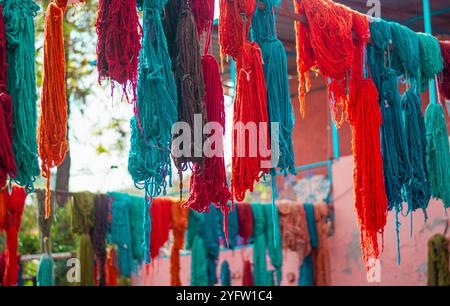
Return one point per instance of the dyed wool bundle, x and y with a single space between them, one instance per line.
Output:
111 275
3 199
319 50
191 95
83 220
8 165
444 76
250 103
225 274
276 74
203 239
137 207
161 212
14 205
247 275
406 55
179 224
233 228
170 19
431 62
438 257
438 155
45 275
121 232
293 228
21 83
98 235
119 42
416 142
245 221
149 158
264 242
210 185
52 130
396 163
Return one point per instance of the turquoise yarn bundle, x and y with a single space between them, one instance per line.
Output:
263 241
406 59
46 274
233 227
121 232
155 112
431 62
21 84
225 274
306 273
438 155
416 142
203 239
276 75
137 206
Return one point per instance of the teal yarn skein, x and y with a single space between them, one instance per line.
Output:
438 155
155 110
431 62
21 84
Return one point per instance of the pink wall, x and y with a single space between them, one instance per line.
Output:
347 267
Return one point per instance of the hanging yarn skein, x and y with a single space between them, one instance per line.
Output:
444 76
83 220
45 275
52 129
8 165
161 211
431 61
119 42
14 205
210 185
155 112
251 157
416 142
276 74
21 83
438 257
98 235
438 155
179 223
191 96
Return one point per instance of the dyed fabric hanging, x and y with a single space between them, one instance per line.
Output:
294 228
225 274
111 275
416 142
247 275
137 207
45 275
119 43
210 185
444 76
83 220
321 255
8 165
251 157
21 84
233 228
179 225
203 239
245 221
276 74
14 204
264 242
438 257
431 62
191 95
438 155
161 212
121 232
155 112
98 235
52 129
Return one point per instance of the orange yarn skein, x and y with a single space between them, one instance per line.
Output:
52 130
